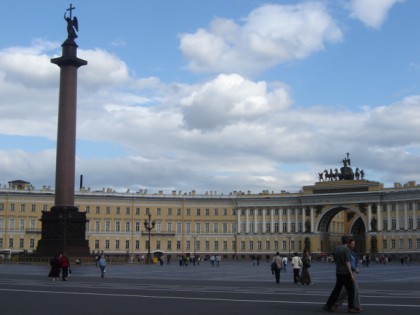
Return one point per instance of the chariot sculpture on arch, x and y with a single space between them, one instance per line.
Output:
72 23
345 173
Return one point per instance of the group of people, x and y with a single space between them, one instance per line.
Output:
346 262
59 264
300 267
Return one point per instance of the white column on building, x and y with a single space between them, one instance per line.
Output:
405 216
271 220
288 220
280 220
379 216
312 220
296 219
397 216
238 214
247 221
414 215
388 214
256 221
264 229
369 218
303 219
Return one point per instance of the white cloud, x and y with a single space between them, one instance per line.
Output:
373 13
270 35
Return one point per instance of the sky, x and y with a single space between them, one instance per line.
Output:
214 96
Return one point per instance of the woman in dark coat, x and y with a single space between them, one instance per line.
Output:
55 268
305 277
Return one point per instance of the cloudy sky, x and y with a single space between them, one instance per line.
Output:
217 95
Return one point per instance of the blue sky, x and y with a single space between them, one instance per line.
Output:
215 95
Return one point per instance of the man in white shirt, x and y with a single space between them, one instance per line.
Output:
297 264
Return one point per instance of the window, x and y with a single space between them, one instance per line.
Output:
118 210
207 245
417 243
98 210
10 242
216 228
267 245
234 230
108 210
207 227
158 211
158 244
96 244
32 223
283 245
21 224
97 226
127 211
11 224
178 211
216 212
207 212
276 245
259 245
12 207
197 212
225 245
188 245
137 244
31 243
178 245
117 244
33 207
106 244
197 227
234 246
117 226
127 226
384 244
393 244
225 212
401 243
242 245
127 244
169 245
158 227
169 211
21 243
251 245
169 226
224 227
188 227
410 243
107 226
137 211
188 213
178 227
87 209
44 207
276 227
1 206
385 224
216 245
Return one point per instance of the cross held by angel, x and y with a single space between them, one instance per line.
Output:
72 23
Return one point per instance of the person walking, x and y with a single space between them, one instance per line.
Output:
344 277
277 264
65 266
305 277
296 264
55 268
285 260
354 264
102 265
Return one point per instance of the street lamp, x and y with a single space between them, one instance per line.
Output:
289 237
194 236
149 225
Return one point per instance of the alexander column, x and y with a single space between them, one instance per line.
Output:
64 227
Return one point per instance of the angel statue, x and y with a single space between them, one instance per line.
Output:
72 24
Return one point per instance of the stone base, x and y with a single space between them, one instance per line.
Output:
63 231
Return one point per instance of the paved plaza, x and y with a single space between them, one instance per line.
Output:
232 288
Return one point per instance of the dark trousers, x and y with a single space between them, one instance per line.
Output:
346 281
65 272
277 274
296 275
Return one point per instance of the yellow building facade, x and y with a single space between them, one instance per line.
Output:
384 221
